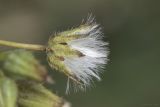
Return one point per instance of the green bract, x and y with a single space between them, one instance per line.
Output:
8 92
21 64
36 95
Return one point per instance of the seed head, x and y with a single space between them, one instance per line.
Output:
79 53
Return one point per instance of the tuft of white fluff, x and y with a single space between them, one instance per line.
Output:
66 104
95 55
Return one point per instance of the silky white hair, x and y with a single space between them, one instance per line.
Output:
95 53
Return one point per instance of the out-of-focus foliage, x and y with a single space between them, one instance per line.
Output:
8 92
21 65
22 82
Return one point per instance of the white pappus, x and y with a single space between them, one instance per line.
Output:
95 53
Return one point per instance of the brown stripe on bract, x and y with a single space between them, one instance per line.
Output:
63 43
80 54
61 58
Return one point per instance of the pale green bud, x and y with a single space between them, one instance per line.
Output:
36 95
1 97
3 56
22 65
8 92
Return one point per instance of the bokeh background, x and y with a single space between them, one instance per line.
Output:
132 27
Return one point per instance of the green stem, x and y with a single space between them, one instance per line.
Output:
23 45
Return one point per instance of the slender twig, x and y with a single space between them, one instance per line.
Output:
23 45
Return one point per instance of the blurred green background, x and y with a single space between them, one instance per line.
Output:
132 27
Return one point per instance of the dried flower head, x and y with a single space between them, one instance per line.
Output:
79 53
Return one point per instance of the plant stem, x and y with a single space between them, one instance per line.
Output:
23 45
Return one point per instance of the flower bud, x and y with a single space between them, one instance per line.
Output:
79 53
8 92
1 97
36 95
21 64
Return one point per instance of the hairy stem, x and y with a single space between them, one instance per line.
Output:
23 45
